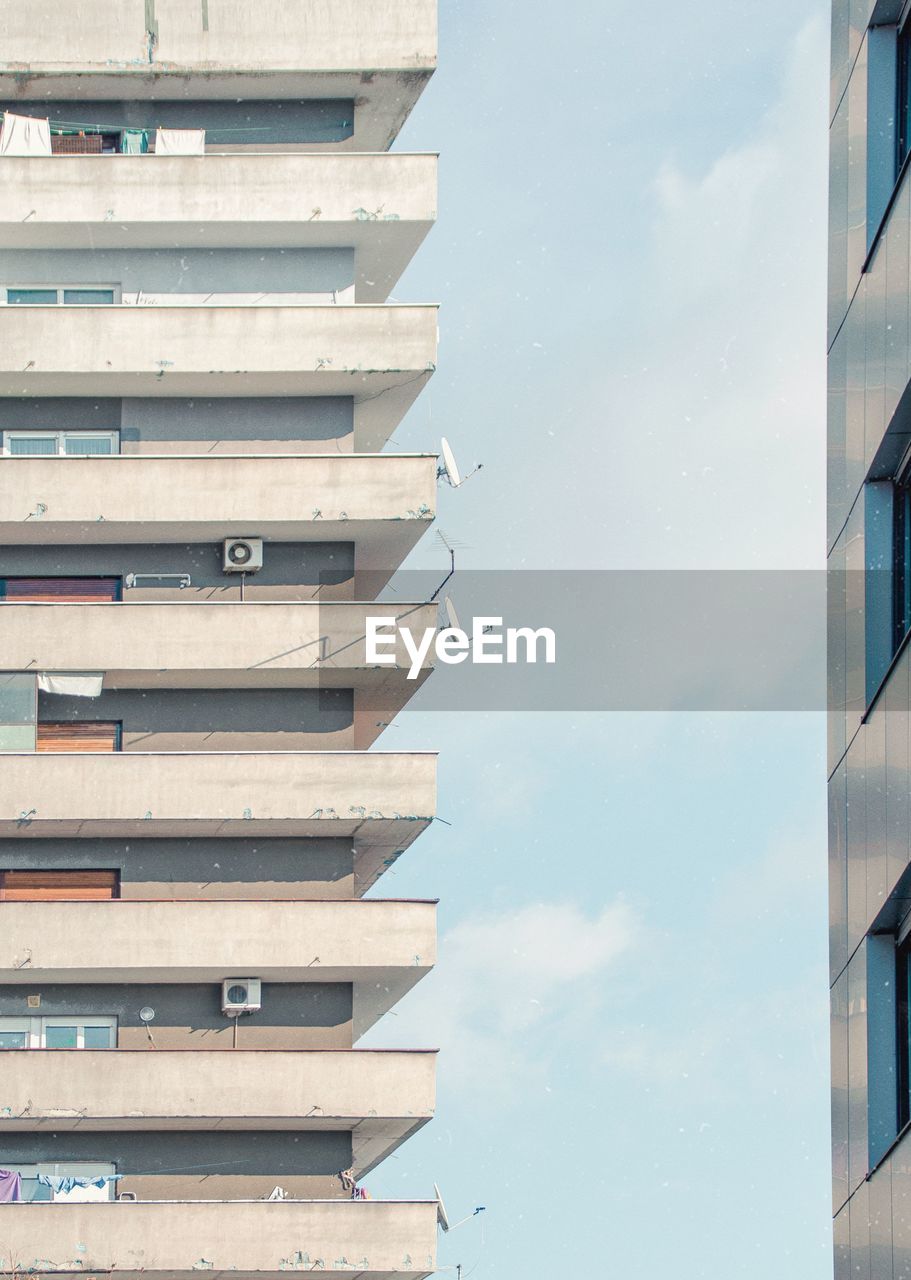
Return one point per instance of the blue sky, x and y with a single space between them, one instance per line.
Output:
631 991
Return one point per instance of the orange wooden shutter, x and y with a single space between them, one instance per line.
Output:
62 590
78 735
42 886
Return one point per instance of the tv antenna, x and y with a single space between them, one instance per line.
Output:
451 547
449 468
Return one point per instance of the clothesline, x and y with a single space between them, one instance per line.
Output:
76 127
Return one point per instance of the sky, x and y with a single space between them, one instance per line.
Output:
631 993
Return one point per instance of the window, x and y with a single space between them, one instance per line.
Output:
901 559
72 1031
60 591
18 711
78 735
17 444
903 131
59 886
77 296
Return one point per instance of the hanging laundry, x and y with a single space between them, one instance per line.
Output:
24 136
10 1186
67 1184
85 685
180 142
134 142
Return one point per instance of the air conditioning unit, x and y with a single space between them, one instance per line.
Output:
241 995
242 555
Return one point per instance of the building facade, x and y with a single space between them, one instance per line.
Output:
869 540
201 223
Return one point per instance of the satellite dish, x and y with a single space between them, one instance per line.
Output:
450 466
451 614
442 1216
147 1015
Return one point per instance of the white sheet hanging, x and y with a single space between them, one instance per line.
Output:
24 136
180 142
85 685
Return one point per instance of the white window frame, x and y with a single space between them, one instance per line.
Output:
60 290
37 1026
60 438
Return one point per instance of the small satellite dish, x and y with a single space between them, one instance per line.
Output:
146 1015
442 1216
451 614
450 466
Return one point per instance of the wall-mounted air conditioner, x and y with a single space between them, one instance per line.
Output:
242 555
241 995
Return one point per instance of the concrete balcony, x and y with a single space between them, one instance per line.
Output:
381 205
382 801
383 504
378 55
222 646
382 947
339 1239
381 356
380 1097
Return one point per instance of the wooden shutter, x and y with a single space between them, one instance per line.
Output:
44 886
78 735
61 590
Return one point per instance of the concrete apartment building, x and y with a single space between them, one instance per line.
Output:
199 370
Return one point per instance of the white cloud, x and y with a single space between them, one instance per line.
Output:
504 980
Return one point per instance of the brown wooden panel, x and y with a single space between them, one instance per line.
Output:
47 886
78 735
61 590
76 144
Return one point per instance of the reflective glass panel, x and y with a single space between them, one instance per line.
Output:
98 1037
32 297
30 445
87 445
60 1037
17 698
13 1039
88 297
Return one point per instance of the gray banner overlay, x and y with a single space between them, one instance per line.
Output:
630 640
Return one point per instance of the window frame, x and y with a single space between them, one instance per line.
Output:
60 438
36 1027
60 290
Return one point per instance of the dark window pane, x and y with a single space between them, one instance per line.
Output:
32 297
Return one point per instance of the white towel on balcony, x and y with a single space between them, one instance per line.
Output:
180 142
84 685
24 136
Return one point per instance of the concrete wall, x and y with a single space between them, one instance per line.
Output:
291 571
295 1015
187 270
199 1165
335 35
253 122
200 868
216 719
389 1241
235 425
